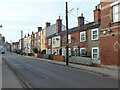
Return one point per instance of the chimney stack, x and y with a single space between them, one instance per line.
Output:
47 24
32 32
58 25
81 20
39 29
97 14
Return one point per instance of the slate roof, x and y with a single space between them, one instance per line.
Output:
88 26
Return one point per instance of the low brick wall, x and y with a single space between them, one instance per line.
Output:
58 58
26 54
40 55
80 60
46 56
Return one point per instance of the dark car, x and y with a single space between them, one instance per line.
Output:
18 51
2 52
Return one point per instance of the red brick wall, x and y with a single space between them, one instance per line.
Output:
38 38
32 40
97 14
48 46
76 42
109 56
58 25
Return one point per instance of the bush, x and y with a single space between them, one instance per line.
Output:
29 54
32 54
35 50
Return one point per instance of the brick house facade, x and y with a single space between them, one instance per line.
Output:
53 33
81 41
110 33
32 42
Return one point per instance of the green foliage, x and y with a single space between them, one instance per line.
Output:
35 50
32 54
84 53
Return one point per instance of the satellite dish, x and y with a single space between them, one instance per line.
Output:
109 30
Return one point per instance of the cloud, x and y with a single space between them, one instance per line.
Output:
27 15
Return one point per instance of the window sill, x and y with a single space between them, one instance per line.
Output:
82 41
95 39
115 22
95 58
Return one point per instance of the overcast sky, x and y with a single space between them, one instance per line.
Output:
27 15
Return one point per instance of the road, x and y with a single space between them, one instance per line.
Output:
40 74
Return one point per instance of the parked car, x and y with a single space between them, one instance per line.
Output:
2 52
18 51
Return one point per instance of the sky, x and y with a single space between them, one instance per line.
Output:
27 15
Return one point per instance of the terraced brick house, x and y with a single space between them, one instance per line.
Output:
84 39
110 33
53 38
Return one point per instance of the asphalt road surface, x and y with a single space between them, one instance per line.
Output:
40 74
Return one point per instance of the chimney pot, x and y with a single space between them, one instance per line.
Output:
80 20
81 14
97 14
58 25
47 24
32 32
39 29
95 7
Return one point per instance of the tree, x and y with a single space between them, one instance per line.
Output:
35 50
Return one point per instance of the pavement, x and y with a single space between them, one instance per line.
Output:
40 73
104 71
9 79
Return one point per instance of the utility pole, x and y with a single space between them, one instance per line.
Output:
67 34
21 42
11 46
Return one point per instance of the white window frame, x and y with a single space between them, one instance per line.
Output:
49 51
35 35
69 51
81 50
96 53
69 38
46 51
38 42
32 43
42 32
84 36
117 13
94 34
53 50
53 41
42 41
49 41
39 33
35 43
63 52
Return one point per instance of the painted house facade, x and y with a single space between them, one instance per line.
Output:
53 38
